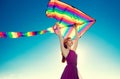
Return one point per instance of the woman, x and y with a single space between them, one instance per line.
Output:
68 54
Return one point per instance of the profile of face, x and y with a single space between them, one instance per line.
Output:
68 42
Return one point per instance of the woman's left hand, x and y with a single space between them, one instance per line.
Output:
76 30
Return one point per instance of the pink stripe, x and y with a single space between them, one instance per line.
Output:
68 33
86 28
73 10
64 19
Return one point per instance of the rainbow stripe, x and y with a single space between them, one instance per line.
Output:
68 16
21 34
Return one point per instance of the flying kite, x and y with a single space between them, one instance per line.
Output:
66 16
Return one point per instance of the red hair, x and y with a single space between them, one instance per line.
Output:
64 42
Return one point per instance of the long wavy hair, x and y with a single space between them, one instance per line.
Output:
65 45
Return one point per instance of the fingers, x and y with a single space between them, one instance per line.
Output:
77 24
57 24
57 28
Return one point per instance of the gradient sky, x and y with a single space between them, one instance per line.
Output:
39 57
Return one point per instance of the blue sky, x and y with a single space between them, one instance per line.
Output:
39 56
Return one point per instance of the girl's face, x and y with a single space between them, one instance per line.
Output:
69 42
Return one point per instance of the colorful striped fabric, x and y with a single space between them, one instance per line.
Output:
67 16
21 34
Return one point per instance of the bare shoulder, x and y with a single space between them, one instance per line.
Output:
65 52
74 50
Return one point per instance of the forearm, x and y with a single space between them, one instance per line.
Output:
60 39
76 32
61 43
76 39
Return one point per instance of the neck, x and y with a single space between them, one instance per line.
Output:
68 47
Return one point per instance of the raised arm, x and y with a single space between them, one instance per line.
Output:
76 38
58 32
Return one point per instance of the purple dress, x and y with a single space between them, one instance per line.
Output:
70 71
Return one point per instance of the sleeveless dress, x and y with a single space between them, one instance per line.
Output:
70 71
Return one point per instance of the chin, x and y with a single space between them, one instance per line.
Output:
70 45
